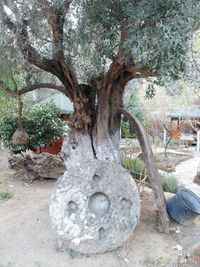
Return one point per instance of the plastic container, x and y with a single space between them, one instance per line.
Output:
184 206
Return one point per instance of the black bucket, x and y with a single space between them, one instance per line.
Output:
185 205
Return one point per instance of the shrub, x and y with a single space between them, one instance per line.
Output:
137 169
125 130
169 183
5 195
135 166
42 124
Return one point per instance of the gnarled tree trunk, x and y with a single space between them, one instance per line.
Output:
101 139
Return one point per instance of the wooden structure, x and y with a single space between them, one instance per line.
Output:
184 124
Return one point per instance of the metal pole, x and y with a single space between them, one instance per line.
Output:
164 136
198 140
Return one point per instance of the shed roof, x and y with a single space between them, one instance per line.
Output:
61 101
190 112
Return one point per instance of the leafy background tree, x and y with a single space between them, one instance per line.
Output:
133 104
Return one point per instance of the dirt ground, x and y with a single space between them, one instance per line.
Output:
27 240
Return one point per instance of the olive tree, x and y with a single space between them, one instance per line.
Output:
94 48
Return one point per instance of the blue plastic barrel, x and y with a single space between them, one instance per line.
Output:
185 205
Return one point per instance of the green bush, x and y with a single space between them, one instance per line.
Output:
42 124
135 166
5 195
125 130
137 169
169 183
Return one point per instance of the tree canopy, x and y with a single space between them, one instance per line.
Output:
94 48
154 35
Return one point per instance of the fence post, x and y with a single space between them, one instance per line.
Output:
198 140
164 136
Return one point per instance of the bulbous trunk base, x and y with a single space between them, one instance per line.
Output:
95 207
81 146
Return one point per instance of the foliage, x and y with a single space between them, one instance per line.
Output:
42 124
153 262
125 130
133 105
10 80
5 195
137 169
7 103
169 183
159 34
135 166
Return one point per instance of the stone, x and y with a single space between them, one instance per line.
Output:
95 207
30 166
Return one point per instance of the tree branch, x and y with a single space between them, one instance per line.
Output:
27 49
149 161
6 20
117 65
59 65
50 65
133 72
55 15
33 87
65 5
56 18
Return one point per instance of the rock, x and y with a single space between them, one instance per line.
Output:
197 177
95 207
30 166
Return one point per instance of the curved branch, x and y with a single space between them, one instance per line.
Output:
6 20
117 65
149 160
133 72
32 55
55 15
29 52
170 138
33 87
57 66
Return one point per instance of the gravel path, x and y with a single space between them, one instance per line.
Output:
186 170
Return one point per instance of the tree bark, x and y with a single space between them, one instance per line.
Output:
107 128
101 139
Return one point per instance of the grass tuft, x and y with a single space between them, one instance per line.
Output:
5 195
169 183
